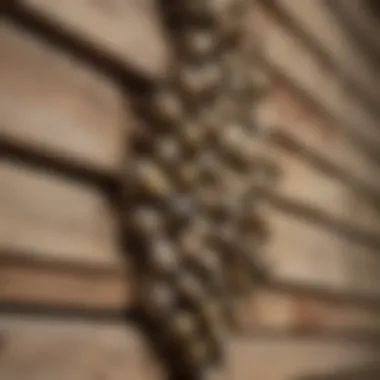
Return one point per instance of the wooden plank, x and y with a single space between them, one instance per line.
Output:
64 288
285 109
308 254
53 103
266 310
368 372
45 217
294 358
316 19
302 251
276 43
38 349
351 70
295 119
41 349
302 182
271 311
129 31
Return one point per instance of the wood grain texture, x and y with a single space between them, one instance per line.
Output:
273 311
287 53
64 288
49 218
294 359
38 349
290 113
266 310
317 19
129 31
55 104
301 250
315 257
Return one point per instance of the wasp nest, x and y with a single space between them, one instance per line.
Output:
193 204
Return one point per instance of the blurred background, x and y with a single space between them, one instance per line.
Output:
69 72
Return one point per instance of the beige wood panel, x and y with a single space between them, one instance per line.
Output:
310 254
129 31
55 104
291 359
300 250
316 18
55 219
299 179
42 349
307 254
287 54
302 182
38 349
64 287
297 250
291 114
304 177
266 310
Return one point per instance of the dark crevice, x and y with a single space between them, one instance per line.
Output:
62 313
28 156
31 260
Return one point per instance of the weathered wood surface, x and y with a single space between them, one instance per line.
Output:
317 20
67 227
361 25
106 122
36 349
45 217
303 67
293 359
53 103
275 311
50 222
267 310
305 254
292 114
57 104
64 288
306 251
300 250
128 31
40 349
